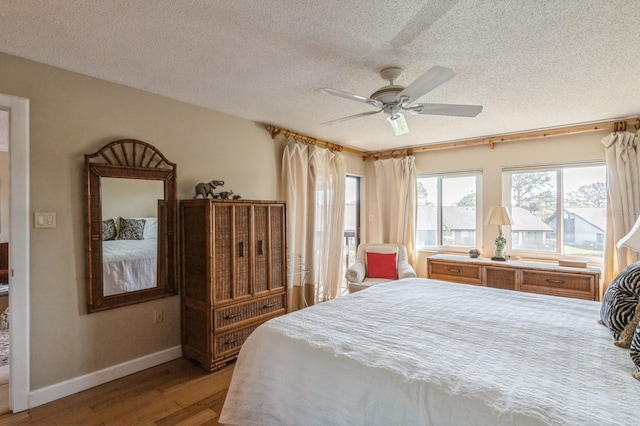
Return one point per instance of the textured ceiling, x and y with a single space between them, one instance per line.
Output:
532 64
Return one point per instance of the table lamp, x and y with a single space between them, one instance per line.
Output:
632 239
499 215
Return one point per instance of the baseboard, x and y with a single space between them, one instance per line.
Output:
79 384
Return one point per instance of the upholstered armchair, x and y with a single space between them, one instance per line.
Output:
378 263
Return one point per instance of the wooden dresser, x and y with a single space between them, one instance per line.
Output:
545 278
233 256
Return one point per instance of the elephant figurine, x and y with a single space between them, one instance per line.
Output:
206 189
225 195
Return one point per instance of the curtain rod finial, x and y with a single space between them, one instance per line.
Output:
273 130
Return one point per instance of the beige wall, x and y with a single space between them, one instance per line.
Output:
72 115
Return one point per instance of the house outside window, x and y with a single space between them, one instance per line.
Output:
448 210
539 196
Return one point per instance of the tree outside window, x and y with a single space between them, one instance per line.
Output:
447 211
578 193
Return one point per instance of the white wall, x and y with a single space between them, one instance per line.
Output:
556 150
130 198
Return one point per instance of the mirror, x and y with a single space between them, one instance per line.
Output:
130 262
131 217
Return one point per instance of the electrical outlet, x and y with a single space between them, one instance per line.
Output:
158 316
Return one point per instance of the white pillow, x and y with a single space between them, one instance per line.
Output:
380 248
150 231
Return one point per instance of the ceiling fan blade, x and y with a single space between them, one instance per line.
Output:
428 81
351 117
347 95
446 109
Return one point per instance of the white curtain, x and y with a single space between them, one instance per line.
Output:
623 199
313 185
397 200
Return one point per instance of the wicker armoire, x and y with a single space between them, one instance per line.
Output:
233 255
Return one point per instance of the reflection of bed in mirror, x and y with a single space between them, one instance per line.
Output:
130 264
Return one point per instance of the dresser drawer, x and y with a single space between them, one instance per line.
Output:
458 272
504 278
226 343
559 284
228 316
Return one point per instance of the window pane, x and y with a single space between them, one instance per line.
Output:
533 208
427 211
459 211
584 200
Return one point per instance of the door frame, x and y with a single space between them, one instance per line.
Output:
18 250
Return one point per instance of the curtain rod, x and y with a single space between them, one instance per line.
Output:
613 125
313 141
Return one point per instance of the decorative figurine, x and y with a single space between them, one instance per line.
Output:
225 195
474 253
501 242
206 189
236 197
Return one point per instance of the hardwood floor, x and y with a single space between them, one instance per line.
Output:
177 392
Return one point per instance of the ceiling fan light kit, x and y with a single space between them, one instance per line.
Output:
398 124
393 99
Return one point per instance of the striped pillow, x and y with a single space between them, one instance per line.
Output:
635 352
618 310
109 230
131 229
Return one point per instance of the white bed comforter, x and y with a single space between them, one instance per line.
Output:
425 352
129 265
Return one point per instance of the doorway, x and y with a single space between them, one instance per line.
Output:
4 261
17 226
351 227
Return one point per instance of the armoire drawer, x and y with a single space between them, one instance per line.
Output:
231 341
233 314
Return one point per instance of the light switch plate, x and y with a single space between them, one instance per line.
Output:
44 219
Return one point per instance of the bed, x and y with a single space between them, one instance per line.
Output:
427 352
129 265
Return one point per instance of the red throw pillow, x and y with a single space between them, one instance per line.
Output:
382 265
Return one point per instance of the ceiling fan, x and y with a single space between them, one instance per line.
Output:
393 99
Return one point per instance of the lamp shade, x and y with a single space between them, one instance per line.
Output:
499 215
632 239
398 124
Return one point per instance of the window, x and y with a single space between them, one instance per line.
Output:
351 226
448 210
539 197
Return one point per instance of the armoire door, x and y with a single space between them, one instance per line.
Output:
222 259
277 249
242 252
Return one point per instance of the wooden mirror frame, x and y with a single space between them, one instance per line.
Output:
130 159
